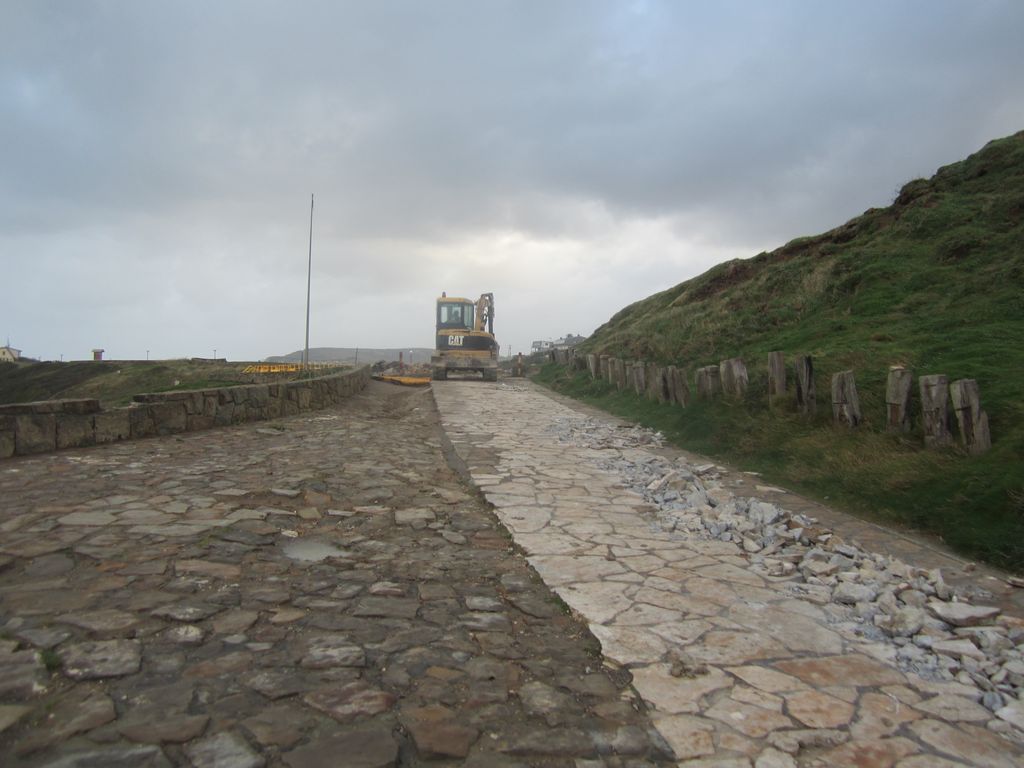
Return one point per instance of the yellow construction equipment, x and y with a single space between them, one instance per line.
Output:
406 381
465 337
289 367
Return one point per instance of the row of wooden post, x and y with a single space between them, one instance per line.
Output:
669 384
936 393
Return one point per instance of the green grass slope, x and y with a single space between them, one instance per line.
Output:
111 382
935 281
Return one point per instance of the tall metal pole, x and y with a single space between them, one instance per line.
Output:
309 279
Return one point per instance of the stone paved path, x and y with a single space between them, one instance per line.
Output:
755 643
316 591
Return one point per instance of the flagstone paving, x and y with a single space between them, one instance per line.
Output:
743 660
321 590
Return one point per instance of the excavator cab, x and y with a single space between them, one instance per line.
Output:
465 337
455 314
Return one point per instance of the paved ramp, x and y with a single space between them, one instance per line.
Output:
315 591
741 664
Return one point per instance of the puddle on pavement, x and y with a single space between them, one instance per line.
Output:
311 550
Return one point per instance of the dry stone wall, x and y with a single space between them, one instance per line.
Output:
27 428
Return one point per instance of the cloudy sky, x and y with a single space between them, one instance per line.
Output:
157 158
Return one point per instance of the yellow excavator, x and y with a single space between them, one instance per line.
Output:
465 337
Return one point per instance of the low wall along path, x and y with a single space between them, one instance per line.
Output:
755 637
50 425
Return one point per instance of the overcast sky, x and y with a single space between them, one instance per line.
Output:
157 158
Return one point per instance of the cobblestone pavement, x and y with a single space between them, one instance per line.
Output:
321 590
745 659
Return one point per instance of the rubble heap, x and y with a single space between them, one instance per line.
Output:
938 632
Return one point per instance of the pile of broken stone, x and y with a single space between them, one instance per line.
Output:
939 633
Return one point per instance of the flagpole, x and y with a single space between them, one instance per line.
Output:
309 278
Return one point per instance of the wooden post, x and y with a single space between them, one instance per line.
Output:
664 393
620 373
973 421
602 368
897 398
678 386
776 378
845 403
935 410
655 378
806 396
639 380
733 375
725 377
682 387
709 382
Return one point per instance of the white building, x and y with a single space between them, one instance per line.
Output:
569 340
9 354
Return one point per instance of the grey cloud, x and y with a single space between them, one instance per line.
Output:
184 129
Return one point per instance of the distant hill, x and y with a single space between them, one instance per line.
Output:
352 354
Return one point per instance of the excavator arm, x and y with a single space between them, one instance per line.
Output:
485 313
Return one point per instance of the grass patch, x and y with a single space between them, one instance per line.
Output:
198 384
973 503
51 659
560 604
113 383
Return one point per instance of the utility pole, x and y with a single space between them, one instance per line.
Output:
309 280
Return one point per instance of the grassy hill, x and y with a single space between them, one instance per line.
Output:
112 382
934 281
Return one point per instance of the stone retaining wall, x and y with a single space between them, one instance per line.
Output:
50 425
